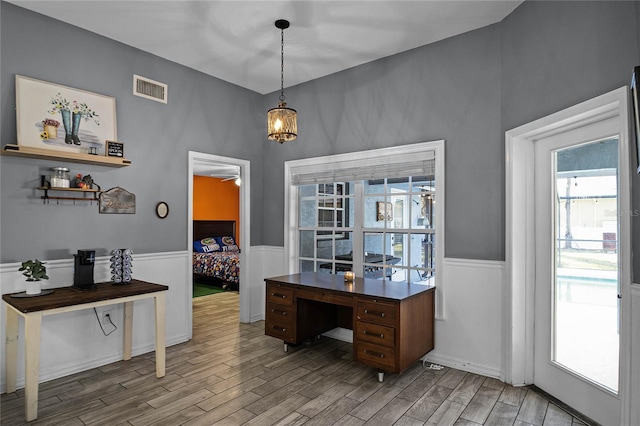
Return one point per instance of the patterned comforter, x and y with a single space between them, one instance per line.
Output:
222 265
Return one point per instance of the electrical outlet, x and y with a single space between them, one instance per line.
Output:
106 317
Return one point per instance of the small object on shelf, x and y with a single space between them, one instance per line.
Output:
349 276
115 149
121 266
59 177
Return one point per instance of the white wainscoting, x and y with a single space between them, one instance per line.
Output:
268 261
469 335
73 341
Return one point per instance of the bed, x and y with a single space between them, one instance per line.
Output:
215 253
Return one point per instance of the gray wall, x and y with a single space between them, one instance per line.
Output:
467 90
449 90
203 114
558 54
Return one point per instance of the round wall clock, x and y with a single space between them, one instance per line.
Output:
162 209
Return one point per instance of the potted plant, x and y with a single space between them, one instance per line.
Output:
50 127
35 271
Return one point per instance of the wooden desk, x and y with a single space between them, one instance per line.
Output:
392 321
68 299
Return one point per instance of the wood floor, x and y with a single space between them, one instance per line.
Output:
232 374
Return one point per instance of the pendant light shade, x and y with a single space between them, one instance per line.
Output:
282 125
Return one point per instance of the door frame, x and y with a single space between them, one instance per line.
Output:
245 229
518 288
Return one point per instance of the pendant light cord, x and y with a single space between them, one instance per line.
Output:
282 65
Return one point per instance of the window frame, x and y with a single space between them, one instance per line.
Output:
383 156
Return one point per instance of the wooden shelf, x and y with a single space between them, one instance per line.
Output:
71 157
46 188
46 197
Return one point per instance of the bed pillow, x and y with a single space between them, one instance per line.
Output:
227 243
206 245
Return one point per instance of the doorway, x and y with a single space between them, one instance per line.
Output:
199 163
544 161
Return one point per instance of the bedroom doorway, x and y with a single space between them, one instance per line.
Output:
203 164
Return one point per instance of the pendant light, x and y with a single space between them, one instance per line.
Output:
281 121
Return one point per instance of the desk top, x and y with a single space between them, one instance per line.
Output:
361 286
70 296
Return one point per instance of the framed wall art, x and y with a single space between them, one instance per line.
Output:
52 116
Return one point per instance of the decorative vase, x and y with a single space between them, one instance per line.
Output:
52 131
34 287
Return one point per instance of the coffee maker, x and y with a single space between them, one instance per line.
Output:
83 269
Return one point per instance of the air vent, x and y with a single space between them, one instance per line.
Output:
147 88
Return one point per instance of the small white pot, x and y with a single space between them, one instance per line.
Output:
34 287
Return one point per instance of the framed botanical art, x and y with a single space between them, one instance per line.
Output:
52 116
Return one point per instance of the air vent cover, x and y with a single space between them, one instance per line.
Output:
150 89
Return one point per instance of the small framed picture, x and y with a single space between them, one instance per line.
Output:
384 211
114 149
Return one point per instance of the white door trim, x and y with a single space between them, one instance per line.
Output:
245 227
518 297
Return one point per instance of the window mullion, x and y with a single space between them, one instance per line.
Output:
358 233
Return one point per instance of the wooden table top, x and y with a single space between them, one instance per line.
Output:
384 289
71 296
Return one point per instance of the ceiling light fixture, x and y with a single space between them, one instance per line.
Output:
282 123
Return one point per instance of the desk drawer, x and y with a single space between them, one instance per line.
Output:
377 356
376 334
323 296
279 328
281 314
377 312
279 294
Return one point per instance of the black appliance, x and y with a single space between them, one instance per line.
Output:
83 269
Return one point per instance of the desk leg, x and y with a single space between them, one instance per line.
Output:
160 333
128 330
11 347
32 324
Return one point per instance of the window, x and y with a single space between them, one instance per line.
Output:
378 213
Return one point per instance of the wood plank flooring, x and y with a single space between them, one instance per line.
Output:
232 374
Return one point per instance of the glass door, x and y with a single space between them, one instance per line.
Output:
576 346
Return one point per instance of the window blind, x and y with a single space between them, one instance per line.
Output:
366 169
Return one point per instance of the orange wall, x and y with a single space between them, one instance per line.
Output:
216 200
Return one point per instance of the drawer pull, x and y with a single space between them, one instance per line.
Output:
279 328
368 333
380 314
276 311
284 296
368 352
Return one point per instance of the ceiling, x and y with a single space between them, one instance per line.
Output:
237 41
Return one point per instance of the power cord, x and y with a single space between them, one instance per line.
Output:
108 319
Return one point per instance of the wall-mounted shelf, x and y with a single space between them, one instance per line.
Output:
72 157
93 192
